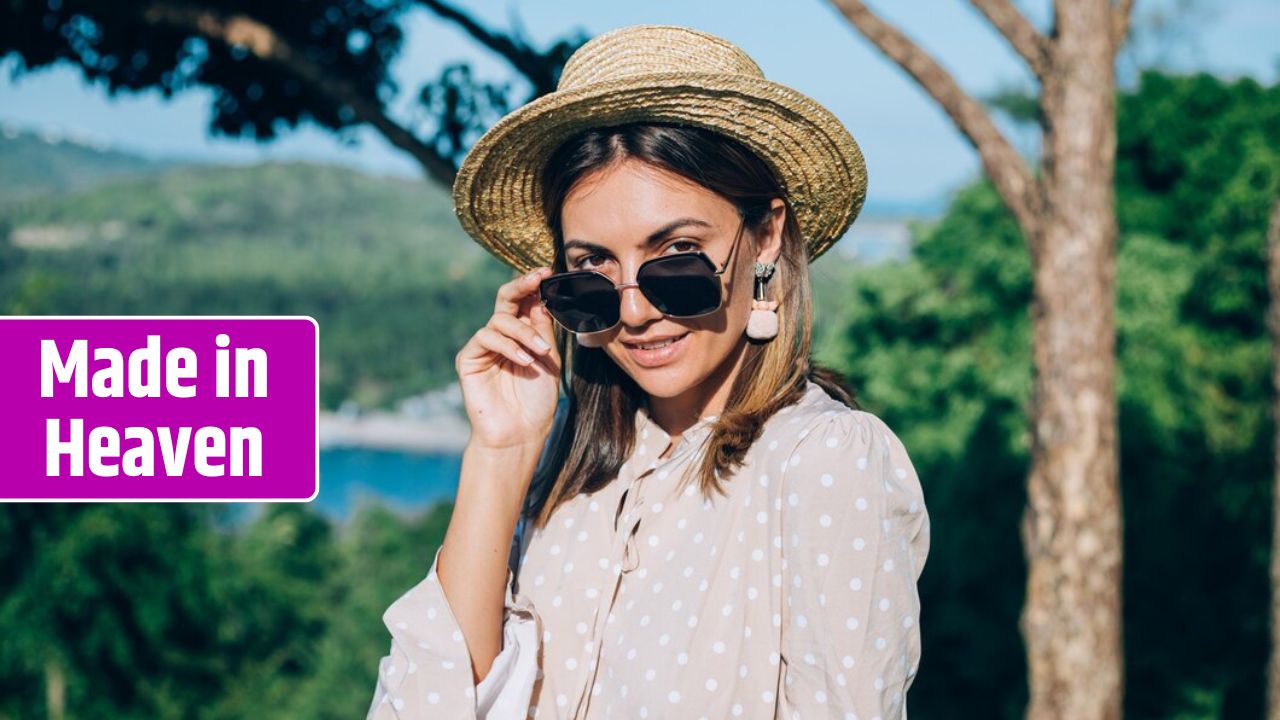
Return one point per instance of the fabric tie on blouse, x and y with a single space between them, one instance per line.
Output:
793 596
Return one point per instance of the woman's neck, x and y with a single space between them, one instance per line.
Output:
677 414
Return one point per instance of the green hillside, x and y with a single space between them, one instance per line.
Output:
36 164
381 264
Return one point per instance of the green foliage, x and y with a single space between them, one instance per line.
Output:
170 611
123 48
940 347
112 597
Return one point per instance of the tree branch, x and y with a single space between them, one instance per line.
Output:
1026 40
1121 13
265 44
526 61
1007 170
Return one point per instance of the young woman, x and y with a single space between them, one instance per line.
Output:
717 530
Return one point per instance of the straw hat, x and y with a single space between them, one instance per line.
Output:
661 73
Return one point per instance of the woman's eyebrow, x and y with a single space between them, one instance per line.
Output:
654 238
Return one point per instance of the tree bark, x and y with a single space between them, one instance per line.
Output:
1021 34
55 689
1273 326
1072 525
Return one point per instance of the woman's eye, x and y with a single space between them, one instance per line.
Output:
688 246
584 262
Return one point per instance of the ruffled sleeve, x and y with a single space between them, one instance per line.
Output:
855 536
427 673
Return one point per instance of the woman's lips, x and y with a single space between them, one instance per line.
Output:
659 356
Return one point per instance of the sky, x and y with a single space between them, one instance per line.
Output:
914 154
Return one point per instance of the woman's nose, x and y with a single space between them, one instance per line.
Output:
636 309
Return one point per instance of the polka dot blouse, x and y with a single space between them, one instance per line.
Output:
794 596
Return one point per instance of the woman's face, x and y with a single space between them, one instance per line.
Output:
630 212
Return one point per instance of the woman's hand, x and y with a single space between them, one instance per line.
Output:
511 400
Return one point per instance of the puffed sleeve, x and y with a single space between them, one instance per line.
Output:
427 673
855 535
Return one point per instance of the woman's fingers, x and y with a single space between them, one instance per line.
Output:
496 342
523 332
530 337
546 327
512 292
520 329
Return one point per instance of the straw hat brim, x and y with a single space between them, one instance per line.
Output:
497 193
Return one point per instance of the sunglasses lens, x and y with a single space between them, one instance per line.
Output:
681 285
582 303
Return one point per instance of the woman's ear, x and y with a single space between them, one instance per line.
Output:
769 246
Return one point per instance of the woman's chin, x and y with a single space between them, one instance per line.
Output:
662 382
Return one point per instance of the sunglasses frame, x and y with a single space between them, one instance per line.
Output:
619 287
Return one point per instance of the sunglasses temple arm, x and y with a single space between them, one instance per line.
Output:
737 240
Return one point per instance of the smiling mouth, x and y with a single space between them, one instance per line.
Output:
657 353
654 345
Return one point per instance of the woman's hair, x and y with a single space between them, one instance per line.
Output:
585 456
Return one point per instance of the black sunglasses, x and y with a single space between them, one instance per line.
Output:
682 285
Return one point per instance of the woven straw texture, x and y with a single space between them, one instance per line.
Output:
662 73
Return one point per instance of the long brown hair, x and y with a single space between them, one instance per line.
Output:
586 456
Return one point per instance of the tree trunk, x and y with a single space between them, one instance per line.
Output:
1072 526
1273 325
55 689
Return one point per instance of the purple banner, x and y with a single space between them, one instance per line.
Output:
167 408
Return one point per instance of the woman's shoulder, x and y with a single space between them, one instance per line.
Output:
821 437
816 416
834 456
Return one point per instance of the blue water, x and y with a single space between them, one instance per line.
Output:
404 480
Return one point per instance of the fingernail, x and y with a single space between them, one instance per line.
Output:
541 344
524 356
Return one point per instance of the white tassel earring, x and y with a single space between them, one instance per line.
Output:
763 323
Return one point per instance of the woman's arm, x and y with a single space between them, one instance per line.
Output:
509 374
473 563
448 630
427 674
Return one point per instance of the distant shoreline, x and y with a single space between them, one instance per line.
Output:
383 430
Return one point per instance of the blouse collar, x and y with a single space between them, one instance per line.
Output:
651 439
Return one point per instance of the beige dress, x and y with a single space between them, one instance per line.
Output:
793 597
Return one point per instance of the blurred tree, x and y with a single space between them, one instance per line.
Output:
131 610
106 608
1071 530
940 346
276 597
273 65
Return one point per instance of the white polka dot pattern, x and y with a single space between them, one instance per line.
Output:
793 596
850 637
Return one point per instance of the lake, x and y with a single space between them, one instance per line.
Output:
405 480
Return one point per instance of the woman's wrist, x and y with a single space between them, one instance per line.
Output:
516 452
501 476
